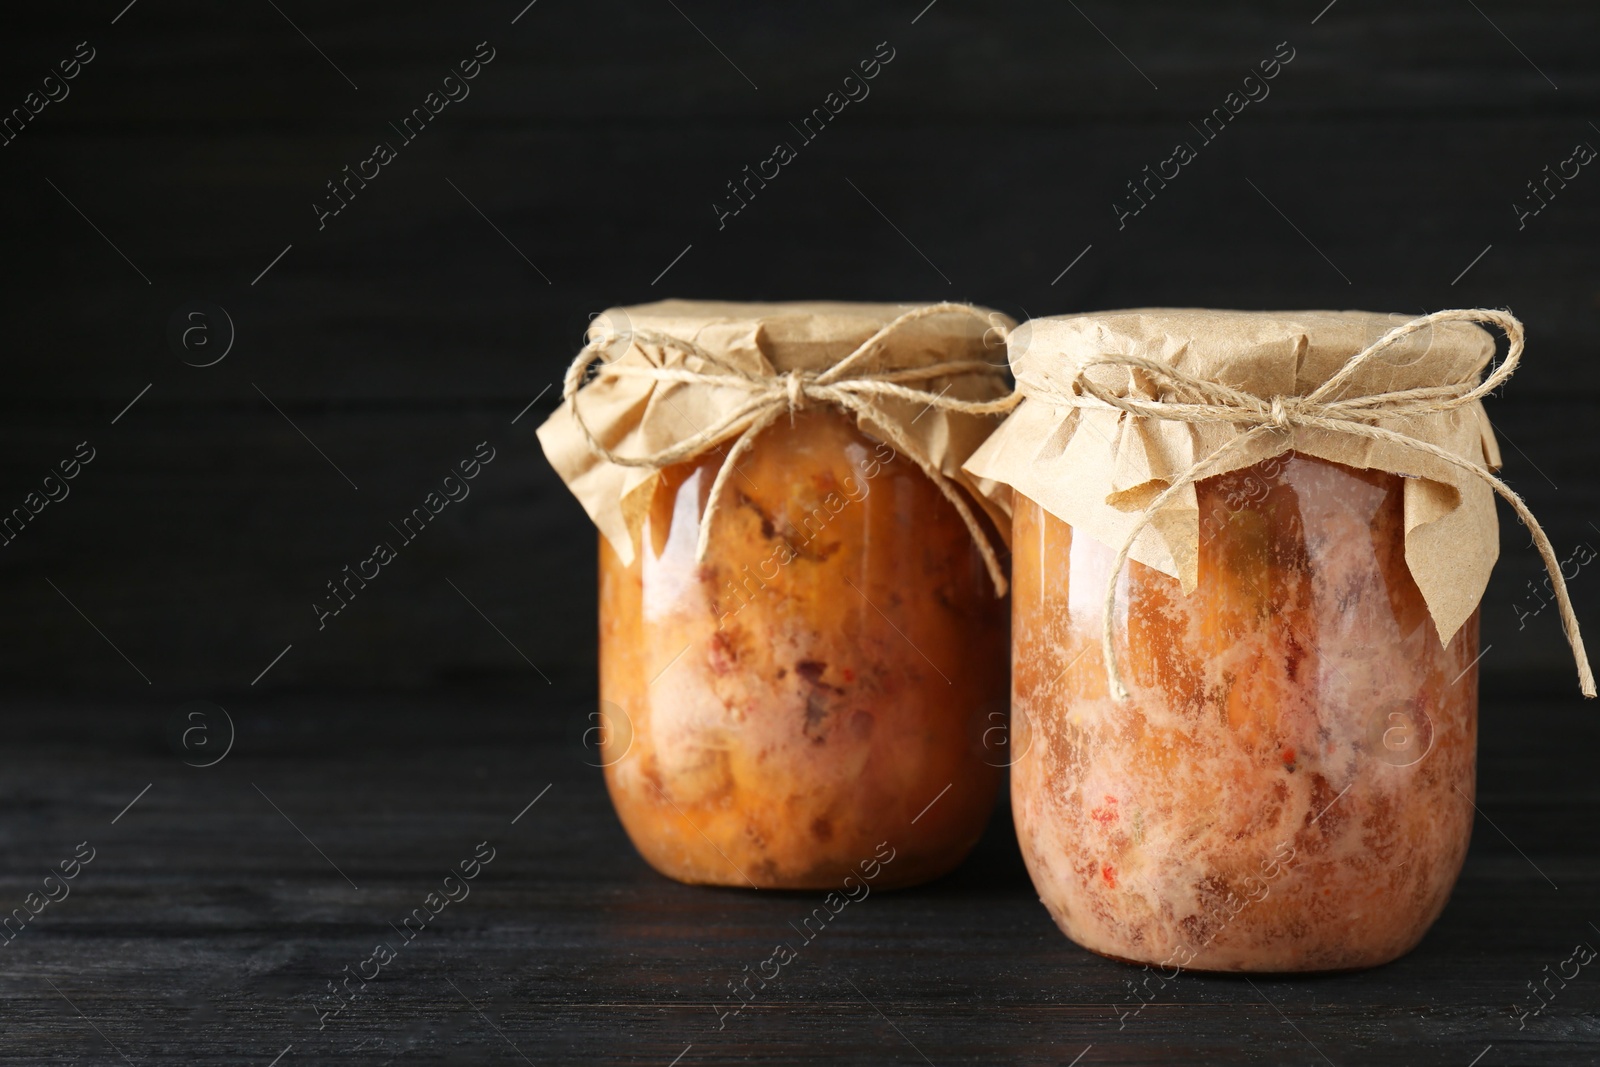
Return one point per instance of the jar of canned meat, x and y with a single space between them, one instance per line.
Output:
1264 759
802 645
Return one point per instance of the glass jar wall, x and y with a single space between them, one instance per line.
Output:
1289 786
824 683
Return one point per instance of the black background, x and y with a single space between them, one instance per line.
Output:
1385 162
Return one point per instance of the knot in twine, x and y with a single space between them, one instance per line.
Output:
843 385
795 386
1199 401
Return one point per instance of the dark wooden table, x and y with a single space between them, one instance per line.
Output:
221 904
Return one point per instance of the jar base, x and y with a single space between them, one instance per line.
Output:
1240 972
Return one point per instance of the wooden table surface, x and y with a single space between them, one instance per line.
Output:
219 906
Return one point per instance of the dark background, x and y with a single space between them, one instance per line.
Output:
415 325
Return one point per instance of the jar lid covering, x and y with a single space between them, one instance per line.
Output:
1099 466
678 378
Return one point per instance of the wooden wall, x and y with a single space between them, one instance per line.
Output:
1389 154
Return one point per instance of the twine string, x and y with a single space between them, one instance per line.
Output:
1200 402
843 385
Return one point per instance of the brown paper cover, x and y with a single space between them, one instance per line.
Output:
1097 468
636 416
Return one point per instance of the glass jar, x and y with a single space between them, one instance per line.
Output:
821 685
1289 786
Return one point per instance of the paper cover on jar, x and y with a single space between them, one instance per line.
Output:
1098 468
723 348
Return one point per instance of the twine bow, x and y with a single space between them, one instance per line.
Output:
843 385
1195 400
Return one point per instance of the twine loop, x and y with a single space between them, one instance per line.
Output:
844 385
1185 398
